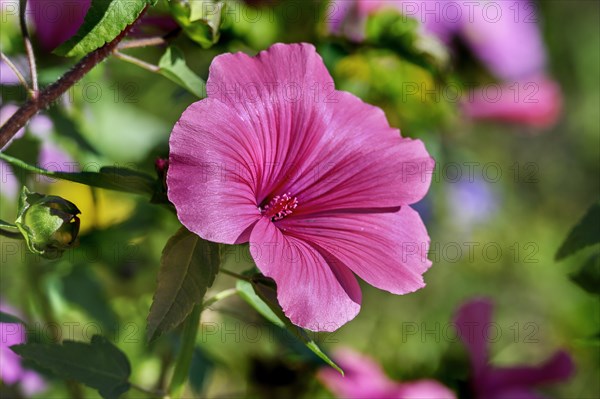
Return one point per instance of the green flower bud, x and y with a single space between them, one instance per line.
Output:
48 223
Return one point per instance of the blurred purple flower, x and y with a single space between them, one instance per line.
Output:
53 158
11 370
364 379
503 35
6 111
8 182
57 20
50 156
8 76
471 201
488 382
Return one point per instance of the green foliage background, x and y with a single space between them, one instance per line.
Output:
106 284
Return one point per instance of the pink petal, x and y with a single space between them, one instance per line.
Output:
362 379
211 176
326 147
363 163
274 93
387 250
472 320
313 294
558 368
424 389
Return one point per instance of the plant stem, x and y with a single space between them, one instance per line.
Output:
28 49
145 42
137 61
14 68
55 90
184 358
149 392
234 274
6 225
220 296
11 234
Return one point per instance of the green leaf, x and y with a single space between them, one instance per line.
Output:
401 34
99 364
188 267
263 299
246 292
588 277
104 21
83 288
8 318
172 65
587 232
200 19
108 177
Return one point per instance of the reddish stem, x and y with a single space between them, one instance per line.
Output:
56 89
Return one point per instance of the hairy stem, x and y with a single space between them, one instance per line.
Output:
55 90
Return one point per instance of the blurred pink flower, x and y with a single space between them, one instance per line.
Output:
536 102
503 35
11 370
315 179
489 382
57 20
364 379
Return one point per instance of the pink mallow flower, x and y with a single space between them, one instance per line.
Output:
488 382
315 179
11 370
57 20
503 35
364 379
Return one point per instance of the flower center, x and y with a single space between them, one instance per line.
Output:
280 206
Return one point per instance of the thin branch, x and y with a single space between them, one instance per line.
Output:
28 48
14 68
219 297
145 42
149 392
55 90
234 274
11 234
136 61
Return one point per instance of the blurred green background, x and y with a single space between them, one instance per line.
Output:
548 180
